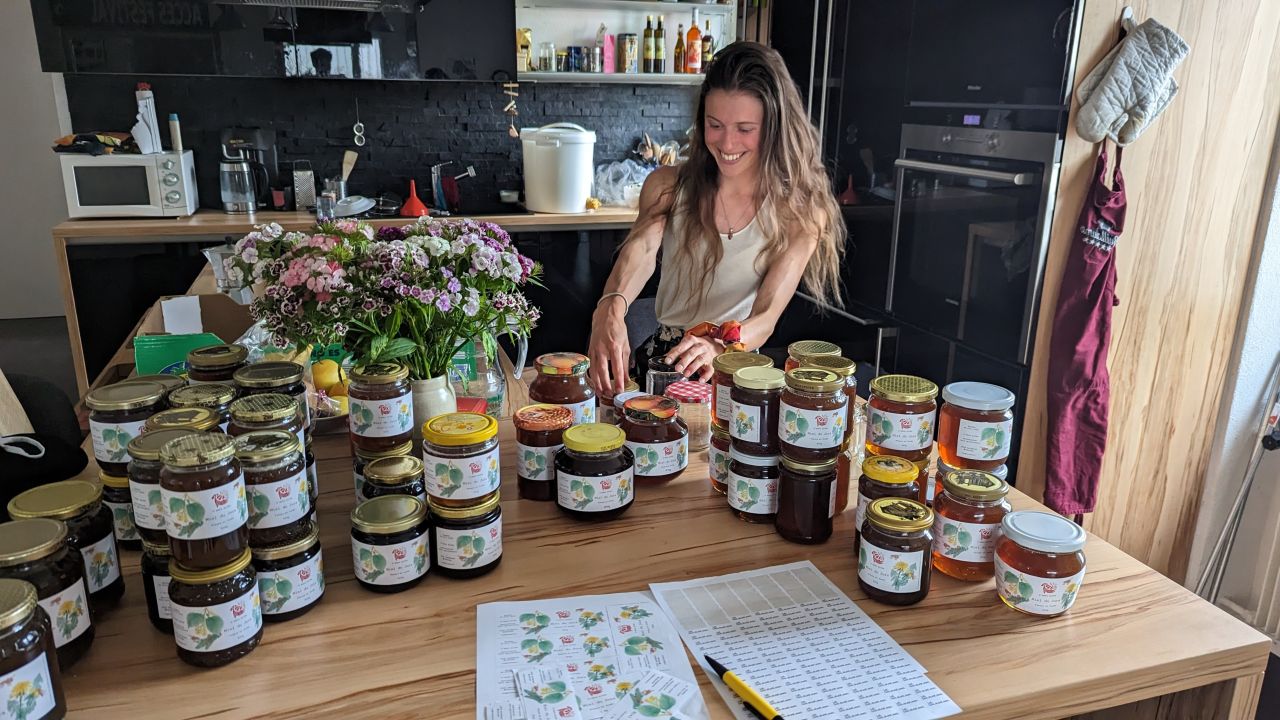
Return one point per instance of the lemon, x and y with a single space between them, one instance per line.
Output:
325 374
339 390
339 403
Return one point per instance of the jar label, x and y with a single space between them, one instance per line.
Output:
201 514
297 587
536 463
984 441
898 431
101 562
890 570
1034 594
111 440
861 514
391 564
966 542
745 423
381 418
654 459
595 494
831 499
583 412
28 691
718 463
217 627
69 611
279 503
164 608
759 497
148 505
464 549
122 520
461 478
359 485
724 403
817 429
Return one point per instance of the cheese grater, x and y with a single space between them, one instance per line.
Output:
304 185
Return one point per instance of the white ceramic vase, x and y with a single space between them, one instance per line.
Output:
431 397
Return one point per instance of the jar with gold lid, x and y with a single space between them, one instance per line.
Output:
801 350
215 363
206 510
401 475
154 568
90 531
757 397
268 411
380 406
276 484
200 419
117 415
169 382
466 542
885 476
144 483
29 672
562 380
118 501
290 576
539 436
215 396
812 416
390 544
281 377
595 472
362 458
724 366
902 410
36 551
967 518
846 370
893 557
460 455
217 612
1039 562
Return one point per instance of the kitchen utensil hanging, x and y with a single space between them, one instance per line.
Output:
358 128
511 90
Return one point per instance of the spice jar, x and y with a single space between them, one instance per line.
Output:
1039 562
217 613
893 558
380 407
695 411
846 370
725 365
393 476
290 576
276 482
269 411
657 438
362 458
803 350
966 523
753 485
661 375
466 542
539 433
813 413
206 513
942 470
718 459
118 501
144 483
595 472
975 425
215 396
460 452
806 501
36 551
389 543
562 380
902 410
606 411
29 671
117 414
155 585
280 377
199 419
90 531
756 396
168 382
885 476
215 363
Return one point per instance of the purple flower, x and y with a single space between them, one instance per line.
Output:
443 303
454 286
388 233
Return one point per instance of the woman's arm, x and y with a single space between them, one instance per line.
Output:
609 348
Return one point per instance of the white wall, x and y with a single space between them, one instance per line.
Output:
29 175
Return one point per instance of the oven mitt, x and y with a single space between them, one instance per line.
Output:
1132 85
35 459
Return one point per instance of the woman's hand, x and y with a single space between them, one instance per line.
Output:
692 357
609 348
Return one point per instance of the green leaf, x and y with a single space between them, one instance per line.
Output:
575 485
528 644
964 537
176 505
365 555
155 497
214 623
553 698
989 434
284 587
666 702
195 511
266 585
802 425
455 476
261 502
441 469
109 435
195 620
648 711
464 542
379 562
545 645
1010 577
588 491
398 348
637 640
754 493
1025 590
949 530
377 345
632 650
557 686
478 544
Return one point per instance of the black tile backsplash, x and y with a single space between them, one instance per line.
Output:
409 126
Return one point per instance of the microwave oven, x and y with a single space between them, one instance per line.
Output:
127 185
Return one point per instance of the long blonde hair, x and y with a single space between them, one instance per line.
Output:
795 192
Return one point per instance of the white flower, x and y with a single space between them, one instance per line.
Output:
437 246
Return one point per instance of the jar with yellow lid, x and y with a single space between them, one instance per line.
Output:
117 415
595 472
562 380
1039 562
217 613
606 411
390 545
539 436
276 485
757 398
29 672
215 363
466 542
290 576
801 350
967 518
268 411
885 476
144 483
812 416
118 501
902 410
942 469
846 370
380 406
280 377
401 475
90 531
362 458
893 557
215 396
206 510
200 419
154 568
36 551
724 366
460 452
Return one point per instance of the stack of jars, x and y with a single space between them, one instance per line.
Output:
851 452
975 430
281 377
380 416
813 428
463 480
754 446
724 366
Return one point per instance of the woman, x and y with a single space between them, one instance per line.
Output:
747 217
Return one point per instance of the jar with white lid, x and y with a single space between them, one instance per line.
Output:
1039 562
975 425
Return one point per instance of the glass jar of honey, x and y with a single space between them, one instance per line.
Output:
800 351
380 407
806 501
562 380
200 419
595 472
215 363
268 411
117 415
846 370
215 396
753 485
885 476
902 411
657 437
718 459
725 365
966 524
460 455
942 469
812 416
893 557
539 436
757 400
1039 562
975 425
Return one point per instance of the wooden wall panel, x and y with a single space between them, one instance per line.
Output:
1194 183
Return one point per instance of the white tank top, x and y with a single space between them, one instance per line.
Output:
732 284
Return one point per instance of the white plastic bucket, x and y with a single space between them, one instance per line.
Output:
557 167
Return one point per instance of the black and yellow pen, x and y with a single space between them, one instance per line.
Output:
753 699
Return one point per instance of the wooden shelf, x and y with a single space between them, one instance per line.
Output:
633 5
611 78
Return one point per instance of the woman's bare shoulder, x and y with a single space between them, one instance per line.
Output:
658 192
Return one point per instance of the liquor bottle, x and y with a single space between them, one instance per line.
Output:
693 48
648 44
708 46
678 59
659 48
